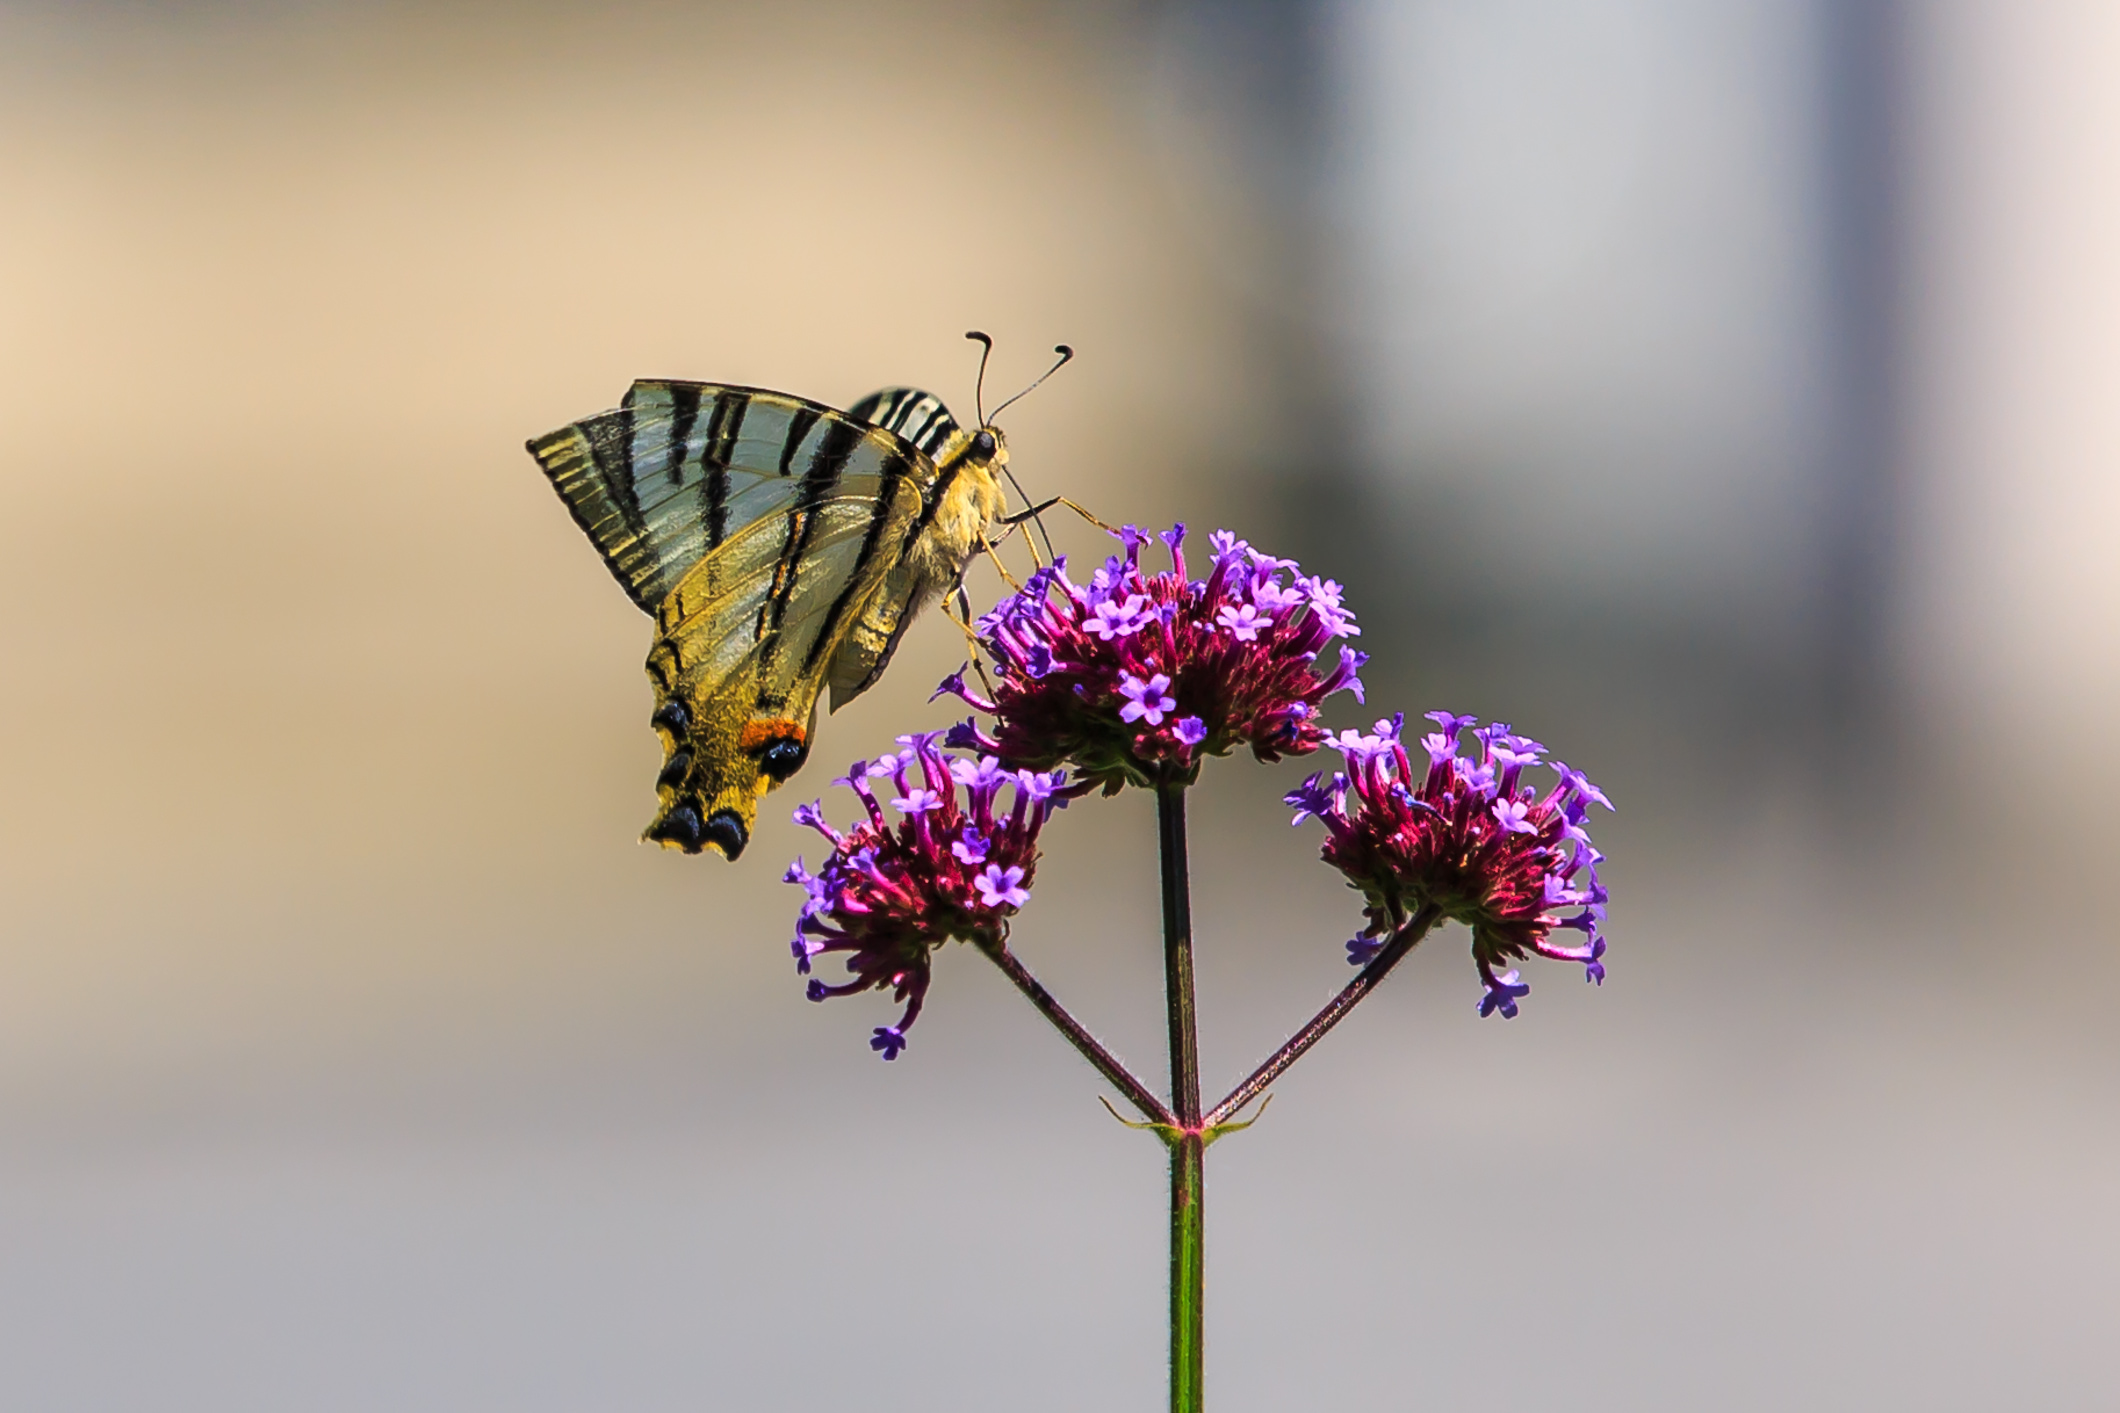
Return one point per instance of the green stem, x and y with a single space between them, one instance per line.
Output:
1188 1147
1188 1251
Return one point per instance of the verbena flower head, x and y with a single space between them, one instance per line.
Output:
920 869
1135 678
1468 838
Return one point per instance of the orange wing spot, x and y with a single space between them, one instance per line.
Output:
757 735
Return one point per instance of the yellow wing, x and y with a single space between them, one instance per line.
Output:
760 530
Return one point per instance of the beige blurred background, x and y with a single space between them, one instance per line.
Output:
1720 391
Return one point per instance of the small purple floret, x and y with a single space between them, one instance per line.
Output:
998 887
1502 994
1146 701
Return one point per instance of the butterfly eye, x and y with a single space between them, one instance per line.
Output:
671 717
782 759
983 445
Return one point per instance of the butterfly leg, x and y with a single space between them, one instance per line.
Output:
958 610
1006 535
1036 512
987 547
1063 500
961 602
1032 514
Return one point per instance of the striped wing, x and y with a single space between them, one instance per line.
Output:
776 599
759 529
676 467
917 416
922 419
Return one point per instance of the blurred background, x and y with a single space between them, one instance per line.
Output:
1717 389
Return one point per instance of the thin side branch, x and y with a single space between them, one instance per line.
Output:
1106 1063
1379 967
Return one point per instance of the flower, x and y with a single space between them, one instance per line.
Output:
1468 839
1135 678
890 892
1145 701
1503 992
998 887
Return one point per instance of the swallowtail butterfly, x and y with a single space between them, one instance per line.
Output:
781 546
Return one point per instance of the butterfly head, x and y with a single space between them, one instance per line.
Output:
987 448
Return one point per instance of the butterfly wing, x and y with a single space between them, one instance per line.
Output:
759 529
917 416
664 477
922 419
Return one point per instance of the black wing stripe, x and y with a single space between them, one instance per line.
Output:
916 434
684 411
934 495
827 460
945 428
890 473
798 430
722 426
610 440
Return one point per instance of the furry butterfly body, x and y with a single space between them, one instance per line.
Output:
781 546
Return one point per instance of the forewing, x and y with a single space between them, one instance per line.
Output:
677 468
917 416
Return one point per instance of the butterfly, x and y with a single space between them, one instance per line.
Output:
781 546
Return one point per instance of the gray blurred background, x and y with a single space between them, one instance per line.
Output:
1718 390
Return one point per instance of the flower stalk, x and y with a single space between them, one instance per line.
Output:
1188 1145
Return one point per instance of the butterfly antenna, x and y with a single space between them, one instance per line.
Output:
986 351
1044 534
1065 354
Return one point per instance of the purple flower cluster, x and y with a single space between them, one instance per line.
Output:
1468 839
893 889
1135 678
